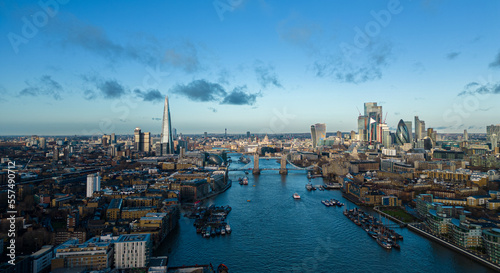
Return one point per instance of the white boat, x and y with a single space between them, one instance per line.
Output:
223 231
228 229
296 196
309 187
334 186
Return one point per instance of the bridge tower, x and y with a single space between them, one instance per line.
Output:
256 169
283 169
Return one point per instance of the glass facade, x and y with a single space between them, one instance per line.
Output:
402 134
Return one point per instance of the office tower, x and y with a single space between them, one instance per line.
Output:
432 135
132 250
494 141
166 145
402 135
353 135
113 138
362 124
367 124
418 129
410 128
248 134
318 132
93 184
386 137
205 134
41 143
55 157
339 134
492 129
466 135
142 141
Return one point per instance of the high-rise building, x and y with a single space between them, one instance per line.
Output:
41 143
166 145
385 137
353 135
419 129
225 133
93 184
494 141
432 135
248 134
113 138
402 135
205 135
410 128
339 134
362 125
492 129
368 123
142 141
132 250
466 135
318 132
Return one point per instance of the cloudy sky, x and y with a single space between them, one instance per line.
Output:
93 67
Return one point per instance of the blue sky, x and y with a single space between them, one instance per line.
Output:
93 67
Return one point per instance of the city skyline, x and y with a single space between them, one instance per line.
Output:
258 66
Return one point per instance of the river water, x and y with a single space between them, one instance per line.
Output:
272 232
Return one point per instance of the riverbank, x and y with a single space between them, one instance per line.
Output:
416 228
390 217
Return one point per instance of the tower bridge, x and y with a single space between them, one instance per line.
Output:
283 169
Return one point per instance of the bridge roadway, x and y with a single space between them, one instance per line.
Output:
268 169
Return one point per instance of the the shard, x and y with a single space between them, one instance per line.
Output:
167 140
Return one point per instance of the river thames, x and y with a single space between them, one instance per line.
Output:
272 232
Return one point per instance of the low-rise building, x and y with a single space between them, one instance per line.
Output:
42 259
478 200
95 254
113 212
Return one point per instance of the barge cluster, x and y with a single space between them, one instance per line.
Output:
332 203
211 221
385 237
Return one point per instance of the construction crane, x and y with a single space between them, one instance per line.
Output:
358 111
26 166
385 117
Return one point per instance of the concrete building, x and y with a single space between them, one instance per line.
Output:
142 141
93 184
42 259
132 251
95 254
113 212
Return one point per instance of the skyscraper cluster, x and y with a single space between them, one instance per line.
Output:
369 128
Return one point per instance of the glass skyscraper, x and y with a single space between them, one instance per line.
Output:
166 145
402 134
318 132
